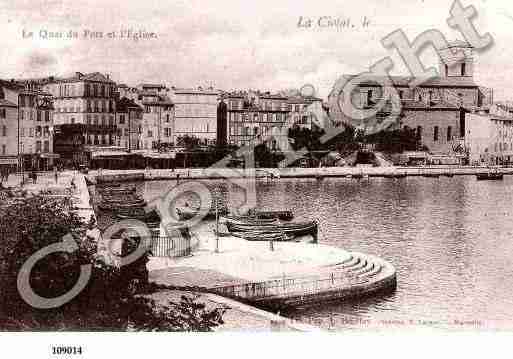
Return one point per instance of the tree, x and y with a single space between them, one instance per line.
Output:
108 302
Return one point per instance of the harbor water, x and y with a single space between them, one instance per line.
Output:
450 239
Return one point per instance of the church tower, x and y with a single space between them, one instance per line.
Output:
462 68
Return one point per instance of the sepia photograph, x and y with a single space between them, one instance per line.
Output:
304 168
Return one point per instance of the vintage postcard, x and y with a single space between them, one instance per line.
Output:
234 167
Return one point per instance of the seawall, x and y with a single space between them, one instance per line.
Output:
108 176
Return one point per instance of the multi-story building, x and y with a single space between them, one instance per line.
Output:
129 121
28 125
302 112
435 109
254 117
195 113
88 100
9 136
489 135
158 116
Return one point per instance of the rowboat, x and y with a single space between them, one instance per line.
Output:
494 176
247 220
186 213
111 191
265 236
121 205
282 215
294 229
141 214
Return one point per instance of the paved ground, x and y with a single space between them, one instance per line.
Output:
246 261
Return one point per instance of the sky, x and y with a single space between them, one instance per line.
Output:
237 44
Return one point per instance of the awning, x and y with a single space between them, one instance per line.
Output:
49 155
109 154
160 155
8 161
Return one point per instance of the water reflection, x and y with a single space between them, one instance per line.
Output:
449 238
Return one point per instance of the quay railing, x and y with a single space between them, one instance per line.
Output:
286 287
171 247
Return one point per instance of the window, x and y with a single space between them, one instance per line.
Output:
401 94
72 120
369 97
2 113
46 131
38 131
22 114
420 97
38 146
31 132
150 133
463 69
167 118
3 150
4 130
435 133
121 119
449 133
46 147
419 132
47 116
446 70
126 131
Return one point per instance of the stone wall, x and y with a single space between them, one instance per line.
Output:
443 119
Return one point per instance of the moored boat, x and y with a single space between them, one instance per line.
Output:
285 215
294 229
494 176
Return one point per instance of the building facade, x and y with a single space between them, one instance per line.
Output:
158 116
253 117
129 125
27 122
195 113
434 107
86 99
489 136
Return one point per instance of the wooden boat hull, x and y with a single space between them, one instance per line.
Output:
282 215
188 213
259 236
294 229
149 217
489 176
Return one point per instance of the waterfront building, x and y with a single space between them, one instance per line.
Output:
26 128
256 116
88 101
303 112
195 113
158 116
489 136
435 109
129 124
